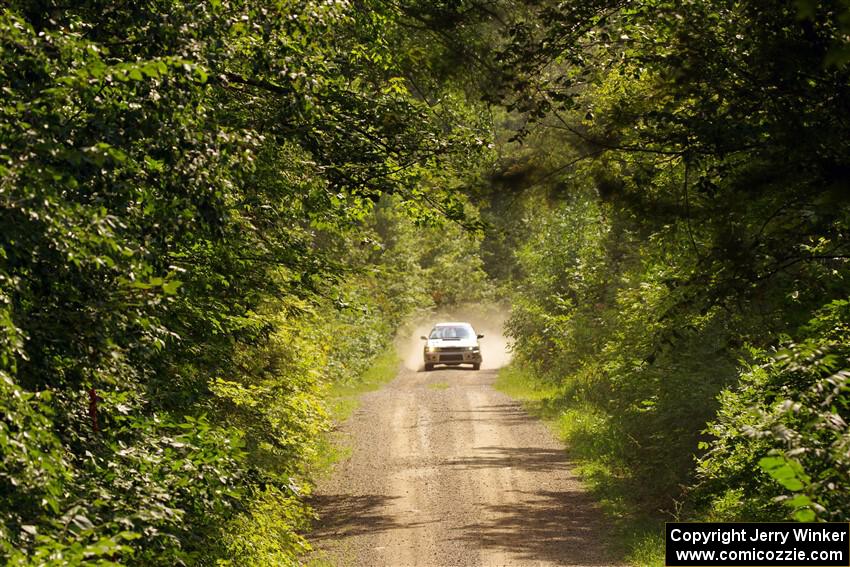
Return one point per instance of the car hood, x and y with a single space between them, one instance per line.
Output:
453 342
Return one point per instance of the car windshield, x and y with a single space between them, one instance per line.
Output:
451 332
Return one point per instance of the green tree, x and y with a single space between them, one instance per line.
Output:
183 186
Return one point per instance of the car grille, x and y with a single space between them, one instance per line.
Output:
451 357
451 349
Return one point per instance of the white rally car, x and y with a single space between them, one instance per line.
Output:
452 344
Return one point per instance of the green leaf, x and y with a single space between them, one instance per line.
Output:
793 484
151 70
170 287
798 501
786 472
154 164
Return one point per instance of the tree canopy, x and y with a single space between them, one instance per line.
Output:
211 211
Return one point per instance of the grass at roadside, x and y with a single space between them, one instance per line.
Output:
342 400
588 438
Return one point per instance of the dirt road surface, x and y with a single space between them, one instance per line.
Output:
445 470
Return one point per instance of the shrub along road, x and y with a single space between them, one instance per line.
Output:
447 471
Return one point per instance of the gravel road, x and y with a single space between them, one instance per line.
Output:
445 470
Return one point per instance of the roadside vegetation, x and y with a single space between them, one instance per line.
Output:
208 216
343 395
215 216
673 197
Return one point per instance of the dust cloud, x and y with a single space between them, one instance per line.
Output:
486 319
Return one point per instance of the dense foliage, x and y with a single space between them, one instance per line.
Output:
190 252
681 170
209 211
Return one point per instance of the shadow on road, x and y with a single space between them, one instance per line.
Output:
497 414
345 515
530 459
510 414
543 526
349 515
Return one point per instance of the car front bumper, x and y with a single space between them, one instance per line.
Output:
462 357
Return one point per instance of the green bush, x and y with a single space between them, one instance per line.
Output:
780 445
188 256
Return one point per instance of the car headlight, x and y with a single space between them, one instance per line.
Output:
431 349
